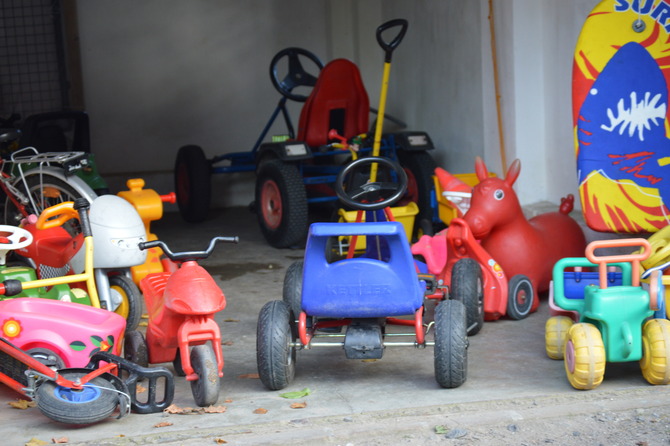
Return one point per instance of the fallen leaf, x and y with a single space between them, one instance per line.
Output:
61 440
295 395
35 442
220 441
231 320
140 389
260 411
298 405
441 429
249 376
22 404
228 401
214 409
163 424
227 343
173 408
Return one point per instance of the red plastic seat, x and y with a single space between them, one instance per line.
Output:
338 101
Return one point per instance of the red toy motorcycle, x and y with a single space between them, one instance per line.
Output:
181 307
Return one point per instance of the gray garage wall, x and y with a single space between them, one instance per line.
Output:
159 74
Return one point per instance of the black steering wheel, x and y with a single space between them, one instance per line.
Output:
296 76
389 186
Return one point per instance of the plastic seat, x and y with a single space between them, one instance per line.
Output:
338 101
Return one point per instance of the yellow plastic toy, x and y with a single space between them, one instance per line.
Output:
149 204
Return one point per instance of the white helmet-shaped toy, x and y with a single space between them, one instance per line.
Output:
117 230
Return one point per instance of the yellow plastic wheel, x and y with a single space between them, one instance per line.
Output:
555 335
656 351
584 356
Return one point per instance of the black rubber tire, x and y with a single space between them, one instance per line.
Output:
131 307
275 356
292 291
420 168
206 388
101 405
176 363
520 297
13 217
281 204
47 357
467 286
192 178
451 344
135 348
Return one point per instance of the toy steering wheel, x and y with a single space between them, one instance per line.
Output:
297 76
366 195
12 238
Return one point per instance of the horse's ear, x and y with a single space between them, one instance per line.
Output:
480 169
513 172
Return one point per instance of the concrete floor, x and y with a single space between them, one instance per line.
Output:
507 365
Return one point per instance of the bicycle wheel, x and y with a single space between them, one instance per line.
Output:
45 187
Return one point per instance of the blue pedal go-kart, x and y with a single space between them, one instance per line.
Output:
297 171
352 303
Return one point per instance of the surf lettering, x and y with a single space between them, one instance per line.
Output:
660 12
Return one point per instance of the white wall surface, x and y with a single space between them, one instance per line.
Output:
161 74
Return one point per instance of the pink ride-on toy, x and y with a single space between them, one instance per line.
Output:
181 307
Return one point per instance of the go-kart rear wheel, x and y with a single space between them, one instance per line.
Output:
420 168
451 344
520 297
292 291
135 348
584 356
281 204
95 402
656 351
555 335
192 174
275 352
467 287
206 388
125 291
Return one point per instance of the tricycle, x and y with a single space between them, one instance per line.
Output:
182 330
363 294
613 318
293 171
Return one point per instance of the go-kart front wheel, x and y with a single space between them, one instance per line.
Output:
192 180
206 388
275 352
292 291
467 287
584 356
96 401
281 204
655 356
451 344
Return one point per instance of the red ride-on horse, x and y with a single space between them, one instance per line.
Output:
528 247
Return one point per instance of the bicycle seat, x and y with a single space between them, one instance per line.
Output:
338 101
